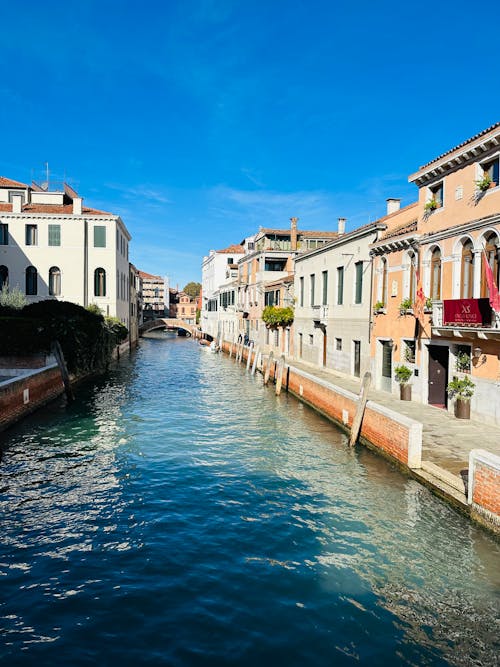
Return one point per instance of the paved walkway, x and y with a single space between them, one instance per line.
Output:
446 440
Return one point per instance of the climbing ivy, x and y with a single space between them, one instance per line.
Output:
274 316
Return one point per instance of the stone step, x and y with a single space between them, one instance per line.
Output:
448 478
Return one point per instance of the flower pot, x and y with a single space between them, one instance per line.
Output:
405 392
462 409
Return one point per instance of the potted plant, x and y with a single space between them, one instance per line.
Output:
428 305
462 390
405 306
485 183
403 374
379 307
431 205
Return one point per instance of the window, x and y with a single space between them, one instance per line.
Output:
54 281
358 291
312 286
384 277
300 345
325 288
31 281
230 260
99 236
492 257
301 282
340 285
274 264
338 344
4 276
4 234
490 169
412 283
436 274
31 235
467 270
436 194
55 235
409 351
311 339
99 282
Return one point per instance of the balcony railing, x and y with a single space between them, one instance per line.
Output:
466 314
320 313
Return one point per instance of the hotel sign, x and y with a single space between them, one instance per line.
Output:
467 312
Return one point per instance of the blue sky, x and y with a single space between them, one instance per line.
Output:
199 120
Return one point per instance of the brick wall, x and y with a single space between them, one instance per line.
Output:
396 435
23 395
484 485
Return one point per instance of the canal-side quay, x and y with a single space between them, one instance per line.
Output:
458 460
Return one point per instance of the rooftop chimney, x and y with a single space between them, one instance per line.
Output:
17 203
341 228
293 234
77 206
393 205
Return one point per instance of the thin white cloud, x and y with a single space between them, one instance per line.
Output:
143 192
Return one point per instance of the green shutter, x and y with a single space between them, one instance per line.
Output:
340 285
55 235
99 236
359 282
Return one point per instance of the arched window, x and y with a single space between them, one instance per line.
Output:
467 275
436 274
384 278
31 281
492 251
412 283
4 276
54 281
100 282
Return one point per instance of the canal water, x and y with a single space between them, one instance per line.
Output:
179 513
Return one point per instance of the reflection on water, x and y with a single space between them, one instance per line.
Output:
179 513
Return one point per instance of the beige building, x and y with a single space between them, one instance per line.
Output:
333 301
52 246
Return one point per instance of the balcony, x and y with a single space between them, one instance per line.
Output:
464 318
320 315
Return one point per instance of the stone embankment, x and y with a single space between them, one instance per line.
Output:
429 444
29 383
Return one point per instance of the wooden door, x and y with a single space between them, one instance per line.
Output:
438 375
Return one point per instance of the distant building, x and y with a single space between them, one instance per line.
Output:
153 296
54 247
186 309
135 304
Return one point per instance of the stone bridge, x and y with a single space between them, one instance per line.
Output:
169 323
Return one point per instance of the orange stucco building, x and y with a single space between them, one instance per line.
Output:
444 239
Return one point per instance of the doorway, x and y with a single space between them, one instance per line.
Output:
325 340
438 375
357 358
386 377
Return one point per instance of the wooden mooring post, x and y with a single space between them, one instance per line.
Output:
279 374
249 358
268 367
360 410
254 365
58 354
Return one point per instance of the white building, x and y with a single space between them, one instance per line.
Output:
51 246
333 308
218 270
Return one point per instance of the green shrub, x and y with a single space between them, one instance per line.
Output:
274 316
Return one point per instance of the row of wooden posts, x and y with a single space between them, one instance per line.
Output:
256 359
266 362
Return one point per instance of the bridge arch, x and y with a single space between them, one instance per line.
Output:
166 322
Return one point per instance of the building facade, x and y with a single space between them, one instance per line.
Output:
153 296
448 243
333 302
54 247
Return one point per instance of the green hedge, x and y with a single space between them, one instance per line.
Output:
87 338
